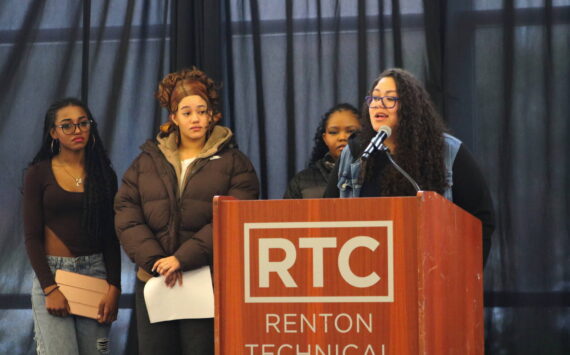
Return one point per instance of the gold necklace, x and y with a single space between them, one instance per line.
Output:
78 181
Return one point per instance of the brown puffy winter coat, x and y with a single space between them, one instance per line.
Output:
154 220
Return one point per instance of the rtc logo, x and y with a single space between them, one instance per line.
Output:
317 245
348 261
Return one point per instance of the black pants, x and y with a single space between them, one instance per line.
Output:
187 336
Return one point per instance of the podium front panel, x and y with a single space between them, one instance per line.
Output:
329 276
315 276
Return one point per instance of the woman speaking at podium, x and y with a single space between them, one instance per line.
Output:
416 153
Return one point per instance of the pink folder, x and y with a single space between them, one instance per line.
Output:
83 293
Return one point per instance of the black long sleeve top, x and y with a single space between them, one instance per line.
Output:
47 204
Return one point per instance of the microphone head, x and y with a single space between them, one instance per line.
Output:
386 130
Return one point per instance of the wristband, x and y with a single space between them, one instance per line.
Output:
51 291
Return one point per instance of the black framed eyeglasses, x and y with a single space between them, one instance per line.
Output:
69 128
386 101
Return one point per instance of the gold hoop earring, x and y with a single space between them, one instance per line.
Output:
93 142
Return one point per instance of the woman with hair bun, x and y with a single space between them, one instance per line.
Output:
164 205
419 143
332 134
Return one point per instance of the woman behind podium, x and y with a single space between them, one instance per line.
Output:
164 205
68 223
419 143
336 125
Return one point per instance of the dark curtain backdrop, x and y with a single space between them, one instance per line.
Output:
109 53
497 70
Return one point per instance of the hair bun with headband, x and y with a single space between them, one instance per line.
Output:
186 82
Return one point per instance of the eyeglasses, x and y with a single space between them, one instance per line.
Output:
386 101
69 128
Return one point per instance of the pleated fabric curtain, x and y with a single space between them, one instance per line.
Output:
290 61
111 55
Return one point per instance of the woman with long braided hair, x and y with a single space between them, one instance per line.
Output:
68 220
419 144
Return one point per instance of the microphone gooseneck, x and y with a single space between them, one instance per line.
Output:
402 171
377 143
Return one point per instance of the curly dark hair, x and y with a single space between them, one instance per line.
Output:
320 148
175 86
100 181
419 126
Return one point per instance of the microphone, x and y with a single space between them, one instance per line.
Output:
383 133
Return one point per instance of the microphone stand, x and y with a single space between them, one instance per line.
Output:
408 177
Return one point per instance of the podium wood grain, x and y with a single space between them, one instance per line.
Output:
437 306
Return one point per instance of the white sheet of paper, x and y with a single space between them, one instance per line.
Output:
194 299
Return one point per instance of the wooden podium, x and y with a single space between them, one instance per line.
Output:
347 276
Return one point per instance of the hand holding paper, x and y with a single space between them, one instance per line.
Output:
172 279
166 266
194 298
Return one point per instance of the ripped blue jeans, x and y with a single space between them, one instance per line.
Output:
71 334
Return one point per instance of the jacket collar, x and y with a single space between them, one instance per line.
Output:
219 138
